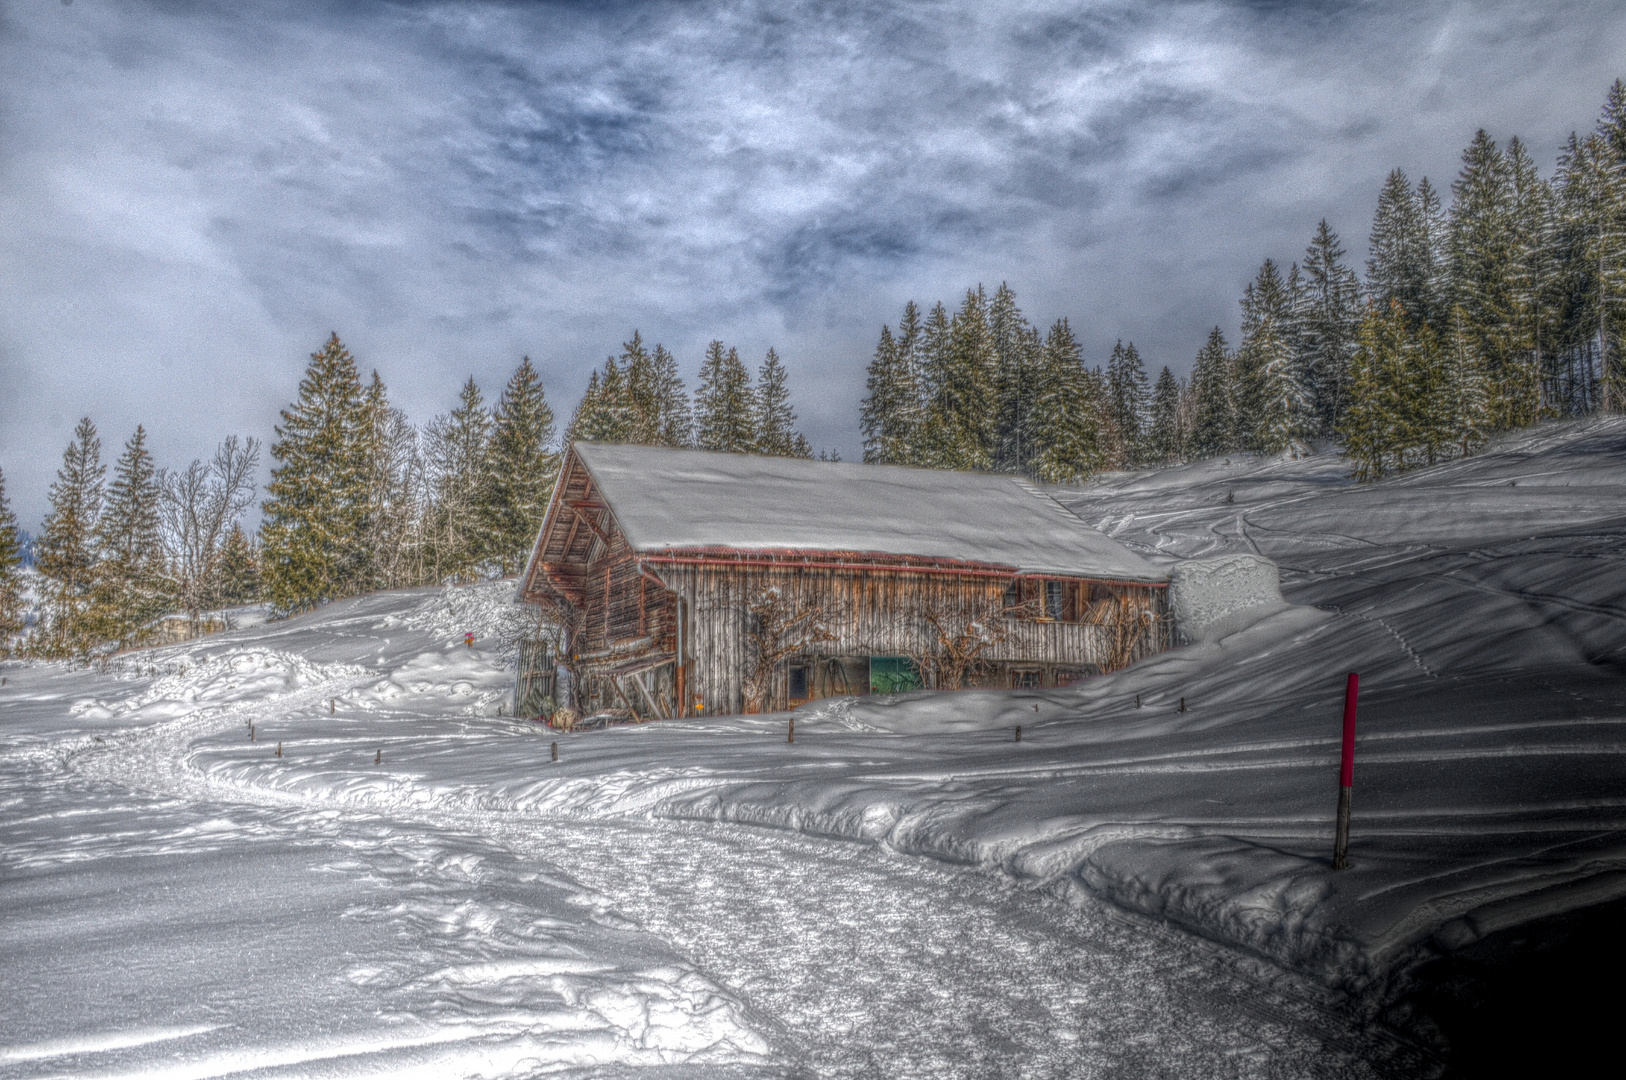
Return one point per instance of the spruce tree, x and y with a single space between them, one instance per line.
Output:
1215 423
319 491
11 583
459 466
675 426
66 551
775 419
642 393
1484 271
1165 442
520 468
392 545
725 404
131 588
1329 318
1067 436
1128 396
961 420
1372 417
1403 266
1466 397
1017 362
237 578
891 414
1272 402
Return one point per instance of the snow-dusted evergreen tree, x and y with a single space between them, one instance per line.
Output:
66 551
1067 412
1485 268
1372 418
725 404
11 581
458 446
891 413
311 536
642 393
1467 396
1404 265
1215 424
237 577
1329 318
607 413
961 419
1017 364
1165 442
1128 397
131 586
520 468
775 419
1273 404
675 420
394 531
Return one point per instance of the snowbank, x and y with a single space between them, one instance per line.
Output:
1215 596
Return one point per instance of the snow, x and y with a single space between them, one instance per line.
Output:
1214 597
665 499
1127 890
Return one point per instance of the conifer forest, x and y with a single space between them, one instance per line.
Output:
1485 304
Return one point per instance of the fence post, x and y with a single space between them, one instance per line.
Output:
556 751
790 731
1346 773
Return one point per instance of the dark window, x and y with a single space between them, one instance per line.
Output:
798 683
892 675
1013 595
1055 599
1026 680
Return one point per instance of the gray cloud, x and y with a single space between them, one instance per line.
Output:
194 195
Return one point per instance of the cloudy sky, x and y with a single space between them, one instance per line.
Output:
193 195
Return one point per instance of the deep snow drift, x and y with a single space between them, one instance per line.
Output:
414 888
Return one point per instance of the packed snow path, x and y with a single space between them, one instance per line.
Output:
180 901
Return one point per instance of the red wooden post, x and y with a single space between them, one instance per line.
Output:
1346 773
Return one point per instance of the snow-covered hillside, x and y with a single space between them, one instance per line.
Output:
414 887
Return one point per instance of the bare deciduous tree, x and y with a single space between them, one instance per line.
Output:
1126 620
199 506
781 625
955 641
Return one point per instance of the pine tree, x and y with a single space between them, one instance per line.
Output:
960 426
891 415
675 426
1066 419
319 492
66 551
391 542
1165 442
459 466
1534 269
1403 266
1128 395
1017 363
775 419
1215 424
1329 318
1272 402
1371 419
725 405
520 468
1484 271
642 393
11 583
237 579
1466 396
131 588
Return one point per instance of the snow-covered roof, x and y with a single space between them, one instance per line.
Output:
664 499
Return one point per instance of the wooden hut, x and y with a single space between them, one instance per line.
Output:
689 582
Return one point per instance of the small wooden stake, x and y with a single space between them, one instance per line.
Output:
790 732
378 758
1018 732
332 703
251 733
1137 701
556 751
1346 774
279 749
1182 704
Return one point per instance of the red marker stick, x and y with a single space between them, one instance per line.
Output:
1346 773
